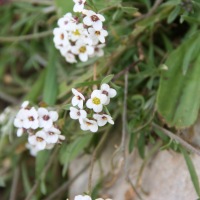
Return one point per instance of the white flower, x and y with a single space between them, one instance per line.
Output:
82 50
30 119
52 135
78 32
20 117
109 92
102 199
77 114
100 35
70 57
96 101
79 5
81 197
38 140
103 119
98 50
46 118
33 149
78 98
87 124
67 22
61 38
93 19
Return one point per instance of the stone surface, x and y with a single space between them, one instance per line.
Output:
165 176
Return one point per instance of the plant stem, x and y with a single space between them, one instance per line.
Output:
178 139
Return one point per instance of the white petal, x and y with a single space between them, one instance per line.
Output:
90 50
80 104
101 17
102 122
97 25
105 87
18 123
101 39
93 128
103 98
75 101
73 115
43 111
52 138
53 115
41 145
25 104
110 120
96 93
47 124
83 57
89 103
32 139
84 127
87 21
19 132
83 113
35 124
97 108
112 93
108 101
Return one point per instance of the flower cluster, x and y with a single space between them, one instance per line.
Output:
40 126
80 39
86 197
96 102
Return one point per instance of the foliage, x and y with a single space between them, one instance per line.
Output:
155 45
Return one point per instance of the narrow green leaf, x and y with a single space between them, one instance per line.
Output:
181 108
43 187
129 10
173 15
133 137
107 79
191 168
70 151
36 90
51 85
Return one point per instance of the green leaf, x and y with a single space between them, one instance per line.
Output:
87 83
41 161
129 10
191 168
173 15
178 97
71 151
107 79
64 6
37 88
133 137
51 85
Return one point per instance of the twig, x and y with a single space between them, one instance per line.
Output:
25 37
35 186
13 194
65 185
124 116
94 156
178 139
125 70
134 188
8 98
151 11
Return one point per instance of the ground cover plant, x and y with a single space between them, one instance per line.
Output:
76 73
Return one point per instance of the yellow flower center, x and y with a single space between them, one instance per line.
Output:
76 32
97 32
82 49
96 101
